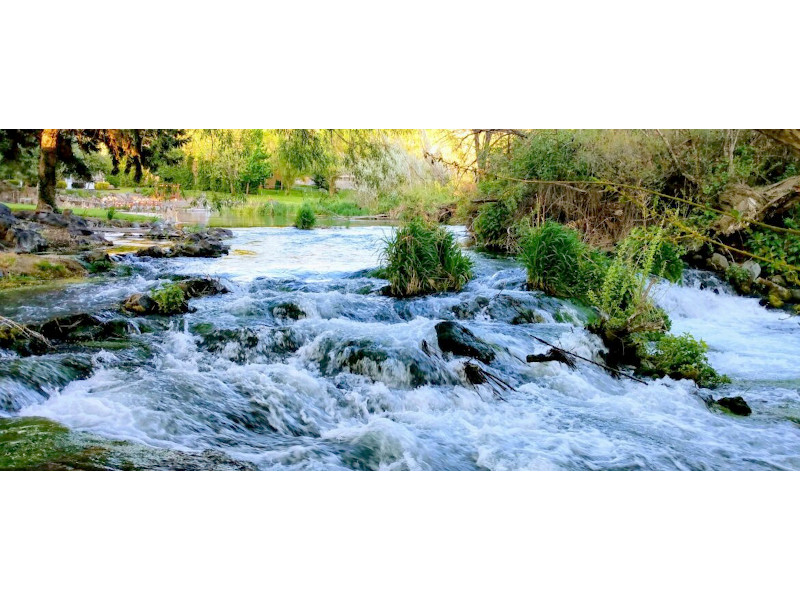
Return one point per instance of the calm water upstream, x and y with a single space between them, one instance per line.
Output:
351 385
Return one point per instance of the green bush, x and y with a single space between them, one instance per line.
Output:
424 258
557 261
681 357
628 318
110 213
61 184
737 276
494 226
305 219
170 299
780 249
102 185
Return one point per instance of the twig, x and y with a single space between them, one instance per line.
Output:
589 360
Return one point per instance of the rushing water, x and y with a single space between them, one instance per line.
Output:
359 382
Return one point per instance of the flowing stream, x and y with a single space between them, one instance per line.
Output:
358 380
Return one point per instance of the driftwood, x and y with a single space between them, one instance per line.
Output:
554 355
754 204
589 360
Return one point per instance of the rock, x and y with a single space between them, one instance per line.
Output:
202 248
752 268
84 327
201 287
140 304
219 233
288 311
460 341
162 231
7 218
22 239
795 295
777 295
718 262
734 405
152 252
778 280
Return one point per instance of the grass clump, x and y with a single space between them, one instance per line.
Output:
557 261
681 357
305 219
170 299
424 258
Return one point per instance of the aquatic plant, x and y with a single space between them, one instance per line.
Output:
424 258
170 299
305 219
494 226
557 261
681 357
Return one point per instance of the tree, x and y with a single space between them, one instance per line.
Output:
139 148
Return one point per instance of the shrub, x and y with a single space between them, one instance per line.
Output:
494 226
305 219
557 260
102 185
425 258
681 357
170 299
738 277
110 213
627 315
61 184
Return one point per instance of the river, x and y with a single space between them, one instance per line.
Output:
359 383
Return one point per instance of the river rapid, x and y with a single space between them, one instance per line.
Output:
358 381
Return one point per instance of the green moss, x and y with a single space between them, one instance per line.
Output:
33 443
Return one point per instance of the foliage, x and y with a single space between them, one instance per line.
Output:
494 226
110 213
61 184
667 261
681 357
780 249
737 276
305 219
169 298
424 258
102 185
557 261
627 314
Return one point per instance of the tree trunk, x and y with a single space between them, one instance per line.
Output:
787 137
48 159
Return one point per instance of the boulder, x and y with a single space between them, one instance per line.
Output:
460 341
288 311
140 304
201 286
734 405
24 240
202 248
152 252
718 262
752 268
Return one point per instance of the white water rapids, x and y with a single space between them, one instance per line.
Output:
296 394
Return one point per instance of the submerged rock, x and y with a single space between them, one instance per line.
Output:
145 304
734 405
460 341
288 311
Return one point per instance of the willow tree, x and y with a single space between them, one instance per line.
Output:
137 148
327 154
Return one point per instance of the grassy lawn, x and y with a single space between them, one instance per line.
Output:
100 213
